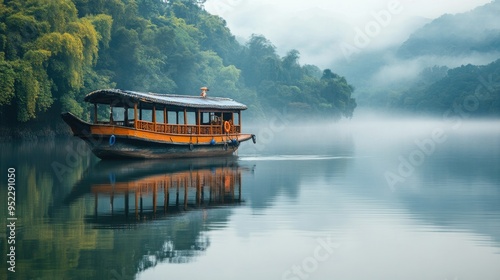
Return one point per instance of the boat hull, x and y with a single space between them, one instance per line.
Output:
127 143
125 147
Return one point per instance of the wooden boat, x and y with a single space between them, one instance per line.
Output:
151 125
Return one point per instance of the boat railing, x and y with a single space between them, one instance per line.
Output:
185 129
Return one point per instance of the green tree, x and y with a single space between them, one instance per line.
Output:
7 79
338 92
53 52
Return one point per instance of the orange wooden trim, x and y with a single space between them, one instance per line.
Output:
154 113
164 137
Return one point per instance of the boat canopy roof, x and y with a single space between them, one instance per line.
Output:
122 98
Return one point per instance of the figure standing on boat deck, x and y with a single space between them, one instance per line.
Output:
204 91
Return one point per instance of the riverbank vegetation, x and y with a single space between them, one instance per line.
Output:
53 52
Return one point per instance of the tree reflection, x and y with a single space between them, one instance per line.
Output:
158 211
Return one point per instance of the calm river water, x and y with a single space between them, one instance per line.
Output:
392 199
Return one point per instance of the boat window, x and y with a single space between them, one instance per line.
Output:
236 117
205 118
172 117
130 112
181 117
191 118
103 113
147 115
118 114
159 116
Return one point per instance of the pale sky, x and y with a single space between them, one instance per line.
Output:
320 29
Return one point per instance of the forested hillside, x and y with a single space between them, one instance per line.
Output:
436 68
473 89
469 89
53 52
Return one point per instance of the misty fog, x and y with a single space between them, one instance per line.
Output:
381 47
376 128
368 133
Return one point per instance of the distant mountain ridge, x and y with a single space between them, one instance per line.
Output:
476 31
468 90
450 66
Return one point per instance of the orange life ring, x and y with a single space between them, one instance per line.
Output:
227 126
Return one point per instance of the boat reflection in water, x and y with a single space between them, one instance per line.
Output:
163 209
123 200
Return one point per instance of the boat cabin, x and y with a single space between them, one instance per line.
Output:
167 113
150 125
